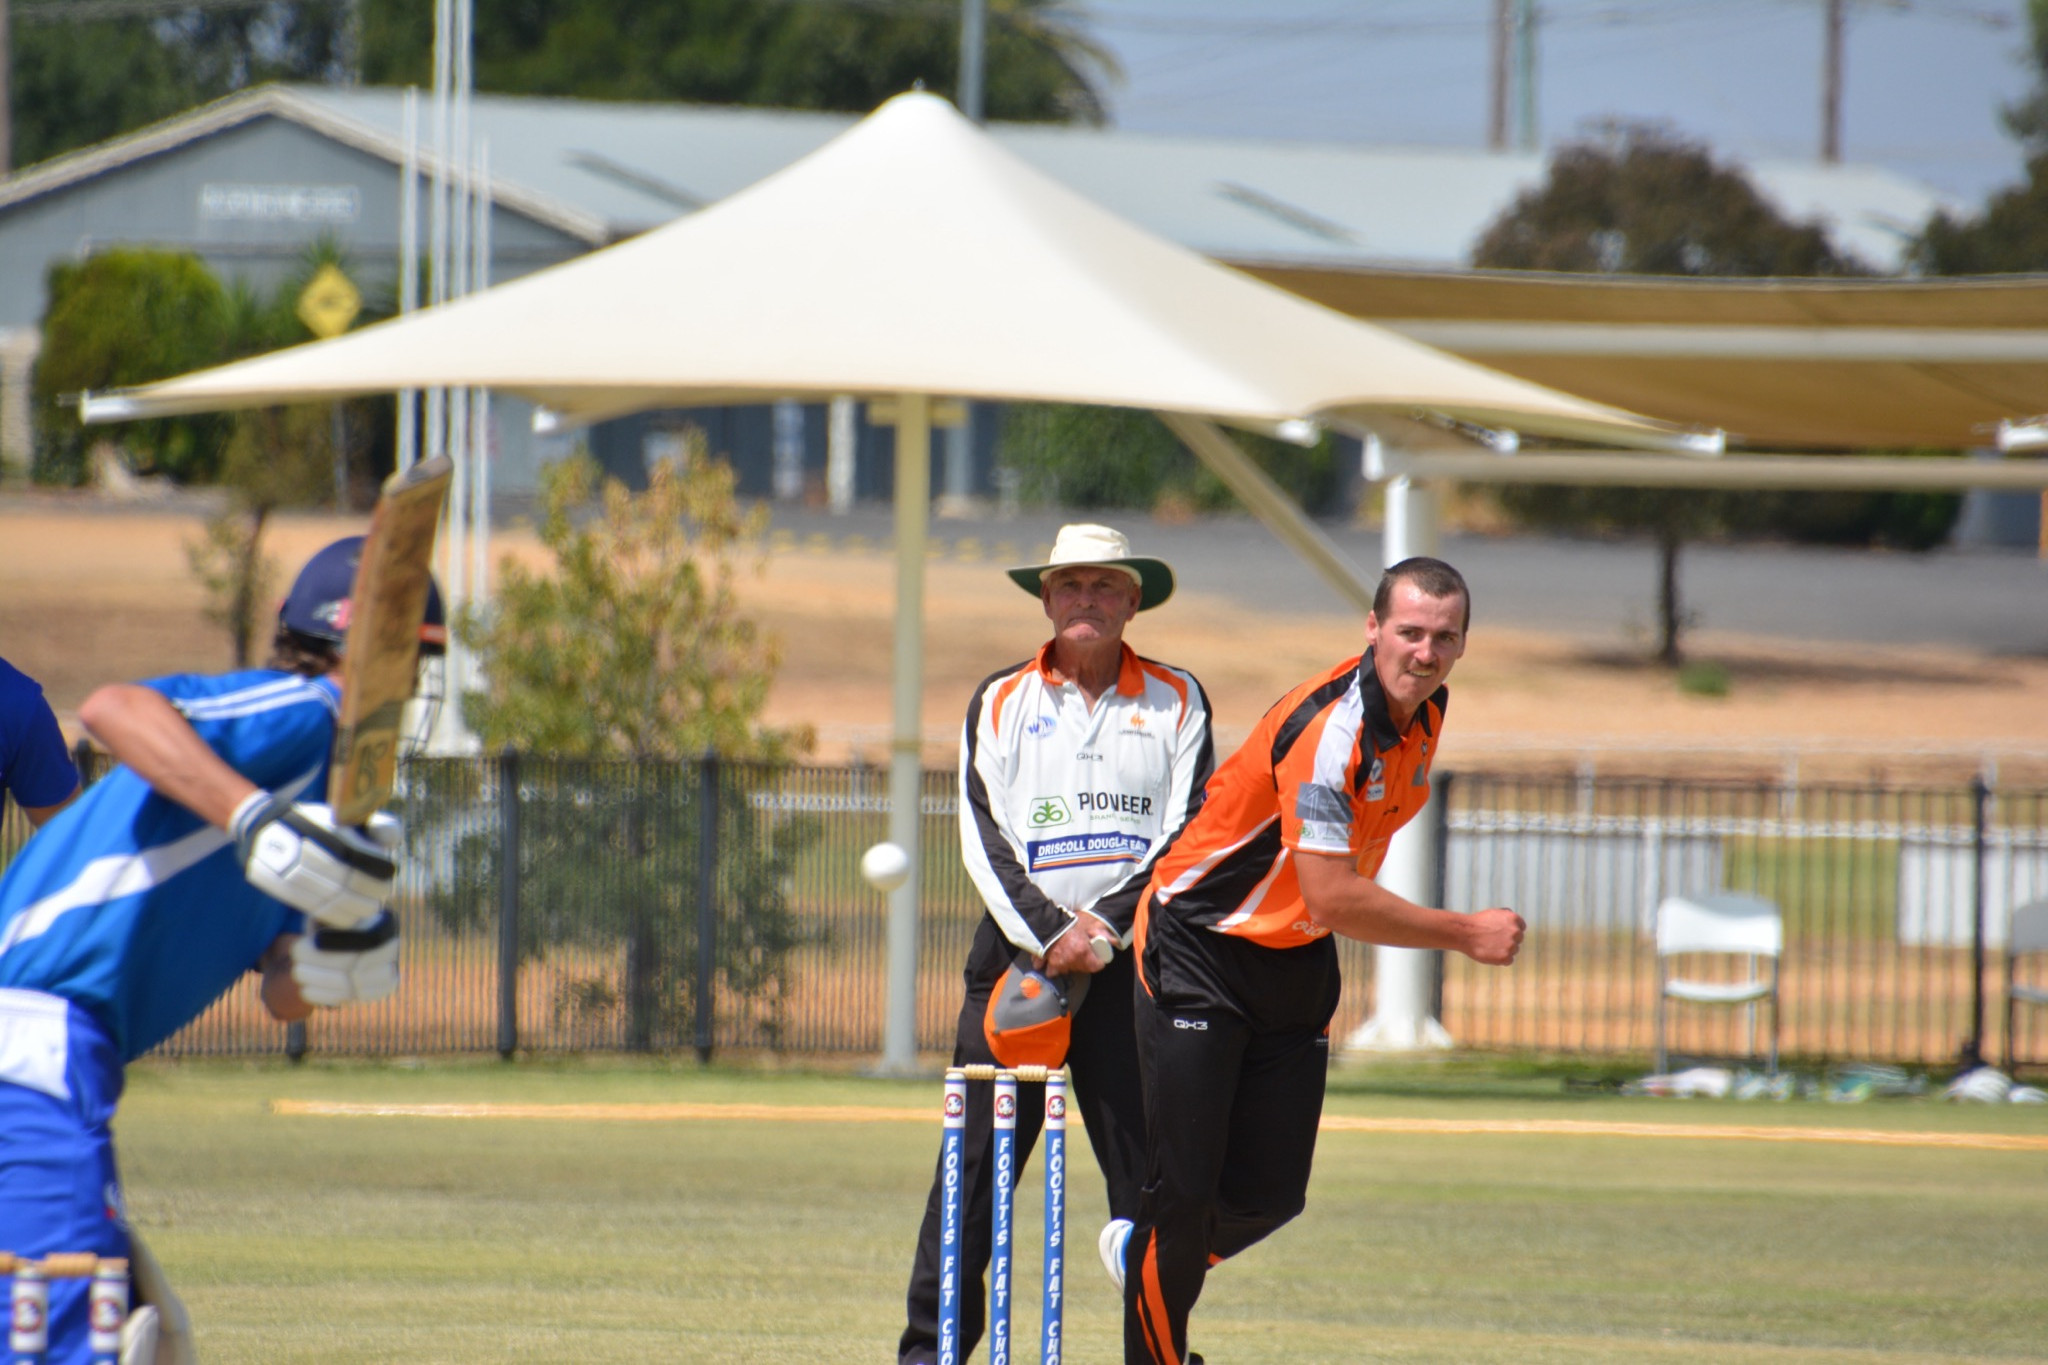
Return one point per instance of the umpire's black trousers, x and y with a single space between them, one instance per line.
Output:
1104 1062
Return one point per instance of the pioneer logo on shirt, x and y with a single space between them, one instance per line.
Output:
1047 811
1115 803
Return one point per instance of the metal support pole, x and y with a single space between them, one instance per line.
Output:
508 903
906 746
1525 75
973 43
707 903
338 428
1402 1020
1831 83
1498 67
1972 1052
840 448
480 400
409 266
6 96
956 496
1270 503
1440 839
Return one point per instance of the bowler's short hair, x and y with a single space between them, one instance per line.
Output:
1431 577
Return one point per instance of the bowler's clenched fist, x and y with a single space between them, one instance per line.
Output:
1495 937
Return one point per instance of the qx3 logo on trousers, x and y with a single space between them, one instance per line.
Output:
1197 1025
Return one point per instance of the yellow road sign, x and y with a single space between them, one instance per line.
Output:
329 303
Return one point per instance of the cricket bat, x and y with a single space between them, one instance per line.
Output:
381 662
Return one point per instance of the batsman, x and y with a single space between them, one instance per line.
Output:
209 852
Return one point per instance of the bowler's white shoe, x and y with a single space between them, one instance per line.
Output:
139 1337
1116 1234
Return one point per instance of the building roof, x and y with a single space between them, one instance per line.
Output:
608 170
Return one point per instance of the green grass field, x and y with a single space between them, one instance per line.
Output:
379 1238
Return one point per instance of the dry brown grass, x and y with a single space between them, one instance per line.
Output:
90 594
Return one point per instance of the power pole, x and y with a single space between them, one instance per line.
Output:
1831 83
351 44
1525 74
1497 110
957 476
973 33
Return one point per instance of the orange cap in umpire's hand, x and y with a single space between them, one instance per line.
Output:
1029 1020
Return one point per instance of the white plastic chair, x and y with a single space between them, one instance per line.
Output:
2027 934
1729 924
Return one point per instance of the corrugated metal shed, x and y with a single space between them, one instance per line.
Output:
639 165
619 169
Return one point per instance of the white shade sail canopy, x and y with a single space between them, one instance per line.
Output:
910 255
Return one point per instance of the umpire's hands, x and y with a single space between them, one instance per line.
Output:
347 966
1086 947
300 856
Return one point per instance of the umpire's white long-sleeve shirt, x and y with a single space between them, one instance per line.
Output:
1065 807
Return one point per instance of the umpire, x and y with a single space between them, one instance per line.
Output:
1078 767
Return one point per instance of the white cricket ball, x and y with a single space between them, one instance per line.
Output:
886 866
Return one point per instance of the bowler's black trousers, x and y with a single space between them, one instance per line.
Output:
1233 1112
1104 1062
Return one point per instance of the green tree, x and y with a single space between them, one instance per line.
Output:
78 83
122 318
275 458
1069 455
846 55
630 673
2010 235
129 317
2027 119
634 646
1640 201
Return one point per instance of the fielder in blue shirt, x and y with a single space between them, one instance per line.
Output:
35 767
205 855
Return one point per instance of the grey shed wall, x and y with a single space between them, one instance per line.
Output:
249 200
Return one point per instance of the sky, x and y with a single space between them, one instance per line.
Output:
1923 84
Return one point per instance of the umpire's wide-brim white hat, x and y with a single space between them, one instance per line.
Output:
1081 543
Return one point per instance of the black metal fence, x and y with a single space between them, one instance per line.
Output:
1895 906
562 905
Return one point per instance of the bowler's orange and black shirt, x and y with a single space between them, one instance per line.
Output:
1324 771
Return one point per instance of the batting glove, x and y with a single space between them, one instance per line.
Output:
347 966
300 856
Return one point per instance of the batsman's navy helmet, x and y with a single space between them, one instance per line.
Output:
318 604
